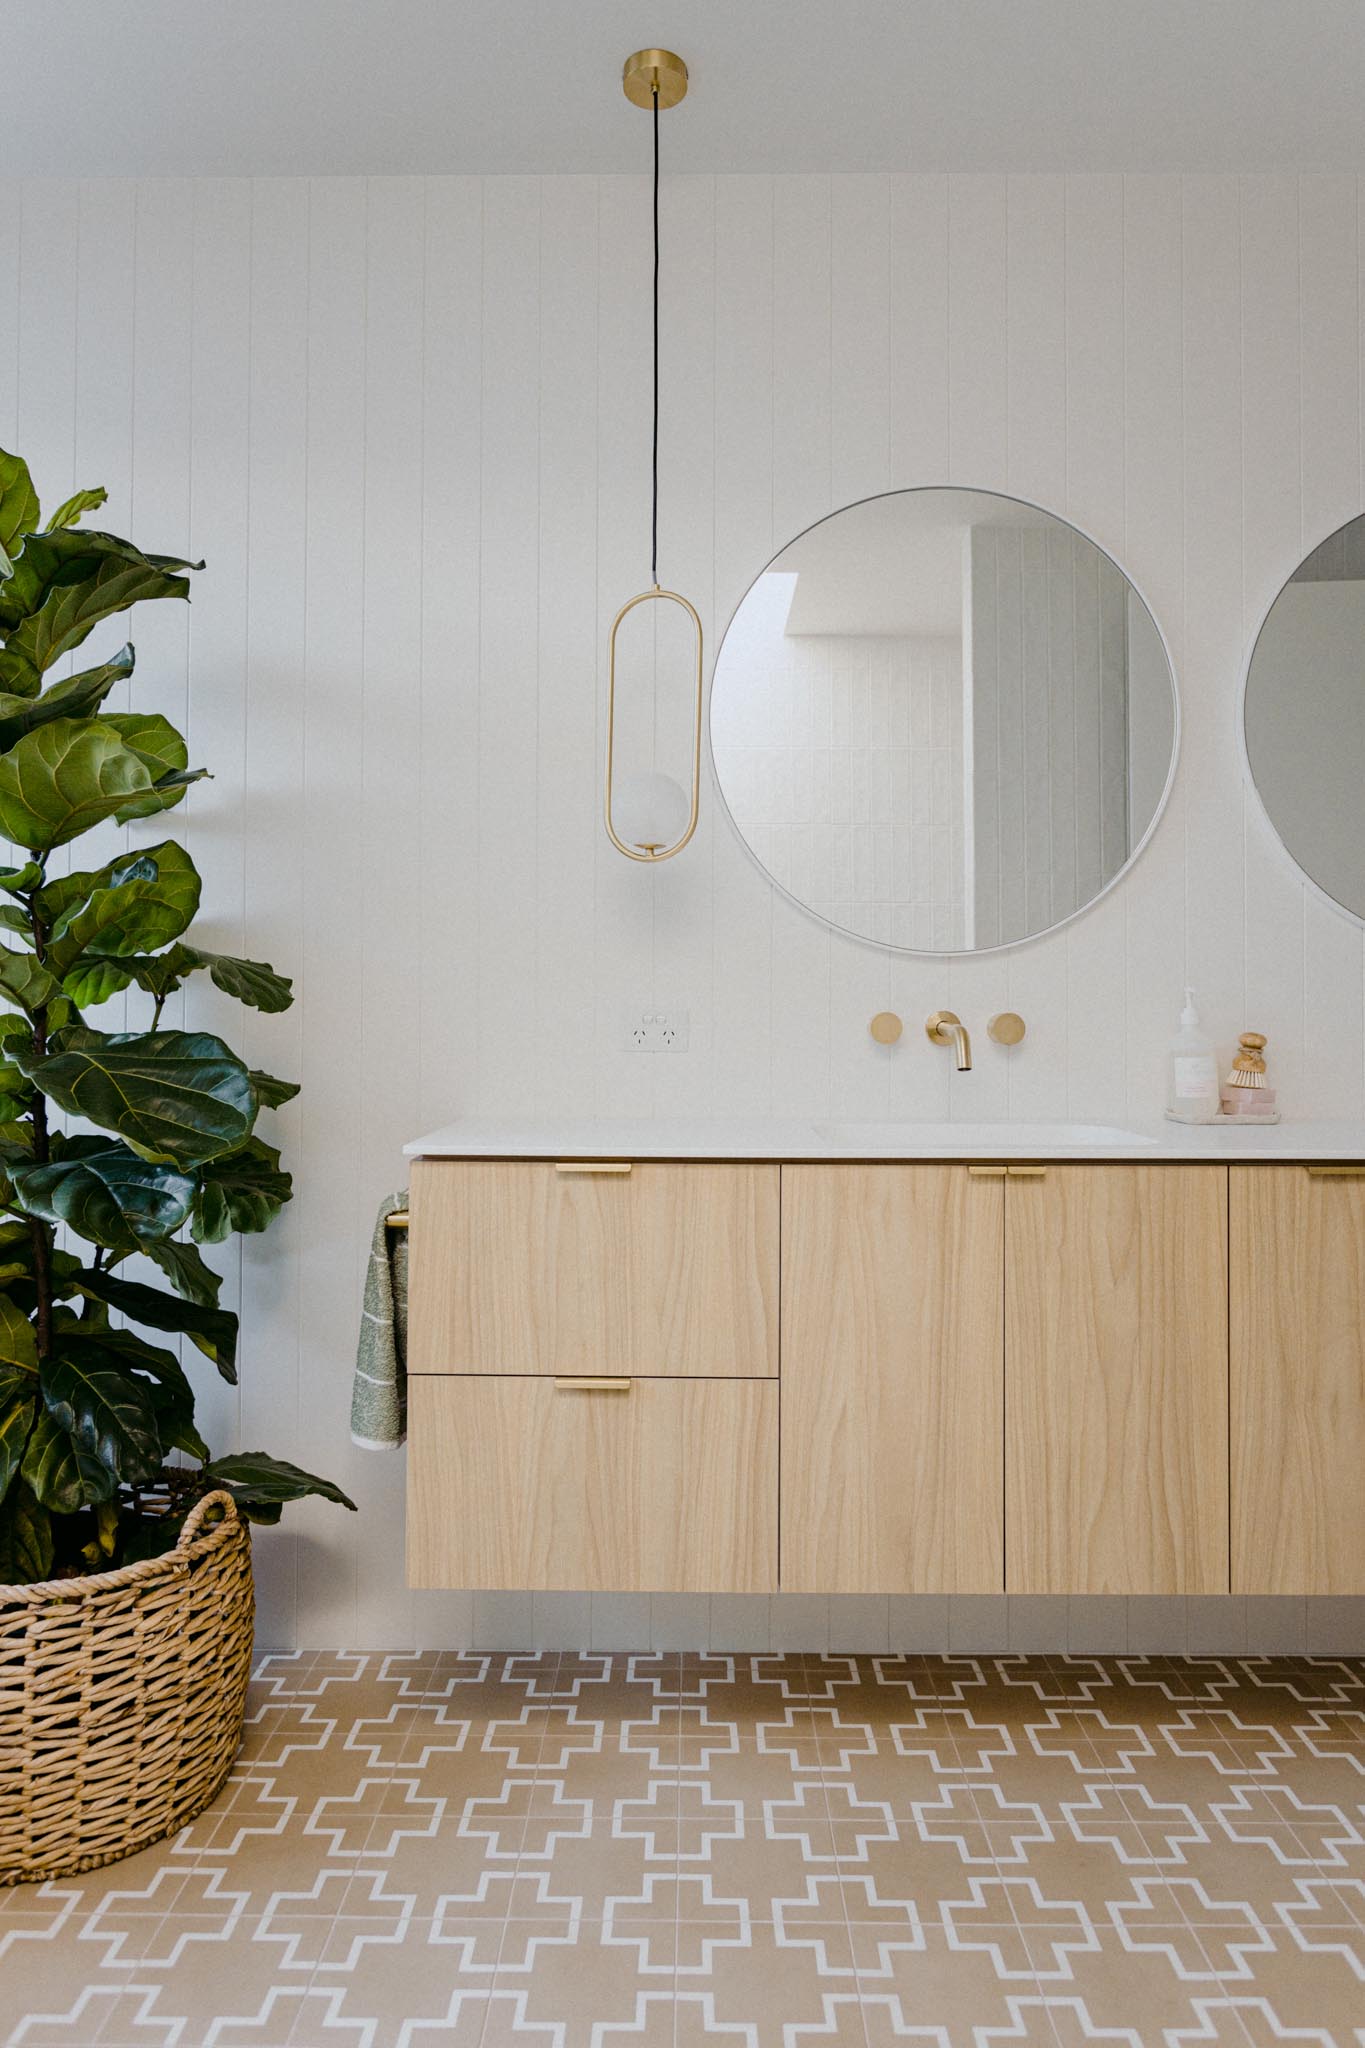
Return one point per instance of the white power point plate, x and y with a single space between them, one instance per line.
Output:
656 1030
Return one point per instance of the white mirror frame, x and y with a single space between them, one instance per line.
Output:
960 952
1248 773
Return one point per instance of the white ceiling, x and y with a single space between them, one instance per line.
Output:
122 87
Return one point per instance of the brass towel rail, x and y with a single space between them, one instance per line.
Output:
398 1220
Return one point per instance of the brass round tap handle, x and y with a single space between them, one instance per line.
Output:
1008 1028
886 1027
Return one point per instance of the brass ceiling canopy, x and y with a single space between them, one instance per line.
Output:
651 71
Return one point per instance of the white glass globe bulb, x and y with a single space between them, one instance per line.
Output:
649 810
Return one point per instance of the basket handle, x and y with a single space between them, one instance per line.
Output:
194 1520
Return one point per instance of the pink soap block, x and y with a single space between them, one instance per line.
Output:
1248 1101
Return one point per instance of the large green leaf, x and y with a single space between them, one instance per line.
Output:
250 981
107 1193
90 1394
162 752
270 1092
98 976
74 508
214 1330
256 1480
61 898
62 1472
87 577
24 981
144 918
105 911
241 1190
63 778
18 1349
75 697
171 1395
188 1271
18 881
179 1096
165 791
19 512
94 979
25 1538
16 1420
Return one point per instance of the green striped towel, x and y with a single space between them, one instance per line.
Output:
379 1392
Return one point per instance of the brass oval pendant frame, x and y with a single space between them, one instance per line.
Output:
647 853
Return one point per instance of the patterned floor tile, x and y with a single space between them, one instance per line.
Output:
487 1848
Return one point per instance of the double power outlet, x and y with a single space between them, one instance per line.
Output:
656 1030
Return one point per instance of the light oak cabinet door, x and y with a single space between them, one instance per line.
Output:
892 1382
1298 1381
666 1485
520 1267
1116 1380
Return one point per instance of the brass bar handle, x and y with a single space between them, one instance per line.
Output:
1325 1172
593 1165
1026 1172
987 1172
397 1221
586 1383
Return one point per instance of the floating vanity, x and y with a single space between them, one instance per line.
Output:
844 1358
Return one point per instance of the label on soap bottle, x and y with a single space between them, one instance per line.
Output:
1195 1076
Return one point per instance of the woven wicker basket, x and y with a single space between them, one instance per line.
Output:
121 1699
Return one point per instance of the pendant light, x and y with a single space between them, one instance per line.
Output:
648 815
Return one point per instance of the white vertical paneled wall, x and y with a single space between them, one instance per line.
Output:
406 421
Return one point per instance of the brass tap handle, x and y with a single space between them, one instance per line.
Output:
1008 1028
886 1027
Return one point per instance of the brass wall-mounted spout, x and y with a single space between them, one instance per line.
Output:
944 1028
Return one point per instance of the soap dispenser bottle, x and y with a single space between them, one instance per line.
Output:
1192 1092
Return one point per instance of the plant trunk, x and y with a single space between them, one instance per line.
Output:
39 1231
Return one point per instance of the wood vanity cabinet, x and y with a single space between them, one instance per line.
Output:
892 1385
1116 1380
1298 1379
592 1376
1078 1378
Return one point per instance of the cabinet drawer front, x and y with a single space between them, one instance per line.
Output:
520 1266
664 1485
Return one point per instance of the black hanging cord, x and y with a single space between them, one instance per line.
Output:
654 526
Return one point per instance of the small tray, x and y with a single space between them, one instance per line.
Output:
1269 1116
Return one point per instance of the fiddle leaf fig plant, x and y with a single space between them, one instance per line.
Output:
113 1144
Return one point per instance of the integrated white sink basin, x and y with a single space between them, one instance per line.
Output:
955 1139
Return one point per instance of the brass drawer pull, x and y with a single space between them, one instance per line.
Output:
585 1383
593 1165
1324 1172
987 1172
1026 1172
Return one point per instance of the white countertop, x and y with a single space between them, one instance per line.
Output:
835 1138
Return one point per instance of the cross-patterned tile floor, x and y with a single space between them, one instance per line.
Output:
667 1849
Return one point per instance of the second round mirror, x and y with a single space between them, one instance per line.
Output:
943 720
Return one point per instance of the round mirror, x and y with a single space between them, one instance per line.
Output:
1303 716
943 720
